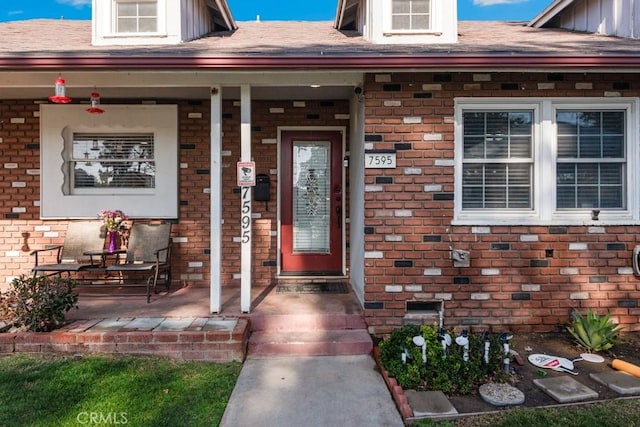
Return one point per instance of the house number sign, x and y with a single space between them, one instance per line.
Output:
380 160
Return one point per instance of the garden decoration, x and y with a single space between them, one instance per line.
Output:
463 341
627 367
445 340
487 346
405 355
504 339
560 364
420 342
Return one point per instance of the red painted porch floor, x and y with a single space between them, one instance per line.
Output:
178 324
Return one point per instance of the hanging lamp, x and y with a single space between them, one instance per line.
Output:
59 97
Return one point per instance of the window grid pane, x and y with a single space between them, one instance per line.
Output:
113 161
591 161
411 14
498 164
136 16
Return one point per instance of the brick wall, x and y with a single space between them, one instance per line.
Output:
521 278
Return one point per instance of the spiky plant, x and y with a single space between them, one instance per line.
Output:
594 332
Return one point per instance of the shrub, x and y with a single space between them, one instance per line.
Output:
594 332
448 372
38 303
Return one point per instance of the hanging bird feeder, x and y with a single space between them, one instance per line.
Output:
59 97
95 104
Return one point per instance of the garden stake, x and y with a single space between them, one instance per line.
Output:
445 340
420 342
487 345
504 338
463 341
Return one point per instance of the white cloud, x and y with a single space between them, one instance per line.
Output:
494 2
78 3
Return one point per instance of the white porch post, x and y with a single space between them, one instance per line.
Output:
246 208
215 189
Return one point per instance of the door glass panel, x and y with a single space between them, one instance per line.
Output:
311 202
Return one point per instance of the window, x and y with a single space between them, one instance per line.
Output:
410 15
126 159
552 160
136 16
105 162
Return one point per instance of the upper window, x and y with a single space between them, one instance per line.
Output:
408 15
547 161
136 16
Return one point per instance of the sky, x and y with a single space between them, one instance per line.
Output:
247 10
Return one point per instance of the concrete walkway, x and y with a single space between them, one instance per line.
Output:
311 391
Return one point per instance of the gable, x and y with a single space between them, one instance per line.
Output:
619 18
157 22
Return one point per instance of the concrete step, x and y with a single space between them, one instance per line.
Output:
306 322
329 342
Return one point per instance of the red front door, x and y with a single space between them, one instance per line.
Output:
312 201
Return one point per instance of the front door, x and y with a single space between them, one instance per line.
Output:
312 200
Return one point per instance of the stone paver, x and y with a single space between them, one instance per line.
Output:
110 325
620 382
497 394
220 324
565 389
429 403
144 323
175 324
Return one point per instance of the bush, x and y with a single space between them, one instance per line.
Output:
448 372
38 303
594 332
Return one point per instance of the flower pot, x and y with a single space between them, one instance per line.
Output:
113 241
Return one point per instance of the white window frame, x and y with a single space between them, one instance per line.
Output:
433 21
544 210
161 24
59 123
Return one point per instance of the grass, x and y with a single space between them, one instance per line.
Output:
48 390
614 413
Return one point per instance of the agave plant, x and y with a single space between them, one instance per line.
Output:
594 332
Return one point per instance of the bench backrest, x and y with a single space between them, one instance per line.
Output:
146 239
81 237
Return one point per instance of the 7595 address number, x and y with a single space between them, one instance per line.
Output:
380 160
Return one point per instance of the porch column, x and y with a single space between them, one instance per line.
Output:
246 208
215 189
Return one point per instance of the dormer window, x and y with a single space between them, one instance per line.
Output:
136 16
410 15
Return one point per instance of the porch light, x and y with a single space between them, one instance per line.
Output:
59 97
95 103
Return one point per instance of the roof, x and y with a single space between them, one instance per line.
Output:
311 43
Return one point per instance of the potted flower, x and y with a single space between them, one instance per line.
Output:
113 223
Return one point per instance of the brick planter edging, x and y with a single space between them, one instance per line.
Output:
396 390
212 346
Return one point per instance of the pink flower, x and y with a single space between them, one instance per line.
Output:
113 220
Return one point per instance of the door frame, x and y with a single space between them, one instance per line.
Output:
343 237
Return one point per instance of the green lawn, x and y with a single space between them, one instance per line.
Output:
54 390
615 413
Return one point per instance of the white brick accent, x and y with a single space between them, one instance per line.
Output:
546 86
184 165
18 184
226 153
432 272
444 162
17 120
237 239
51 234
480 297
12 254
299 104
373 255
482 77
412 120
11 166
584 86
413 171
481 230
432 137
276 110
611 94
432 86
444 297
180 240
393 238
269 141
42 228
33 171
490 272
206 191
392 103
413 288
373 188
195 115
569 271
625 270
432 187
596 230
237 103
403 213
195 264
529 238
383 78
18 210
579 295
393 288
341 116
530 288
578 246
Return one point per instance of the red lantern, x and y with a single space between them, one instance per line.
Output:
95 102
59 97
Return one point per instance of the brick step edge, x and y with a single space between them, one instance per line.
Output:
306 322
310 343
